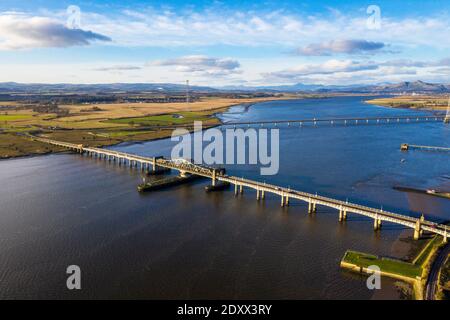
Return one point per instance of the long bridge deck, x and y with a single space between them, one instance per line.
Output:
346 121
418 224
406 146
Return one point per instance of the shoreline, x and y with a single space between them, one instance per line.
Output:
216 112
214 115
408 102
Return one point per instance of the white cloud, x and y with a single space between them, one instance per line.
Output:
18 31
202 65
162 28
118 68
328 67
363 72
340 46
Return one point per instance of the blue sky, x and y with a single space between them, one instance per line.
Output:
225 42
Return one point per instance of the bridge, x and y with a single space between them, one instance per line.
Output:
406 147
347 121
186 167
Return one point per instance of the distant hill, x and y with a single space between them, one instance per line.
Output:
417 86
403 87
105 88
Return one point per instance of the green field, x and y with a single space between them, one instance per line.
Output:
412 269
387 265
166 119
422 257
14 117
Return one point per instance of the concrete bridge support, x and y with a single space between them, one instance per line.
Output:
377 224
213 182
418 230
312 207
235 189
342 215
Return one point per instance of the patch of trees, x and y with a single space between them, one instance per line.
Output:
50 108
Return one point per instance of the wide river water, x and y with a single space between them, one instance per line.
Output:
65 209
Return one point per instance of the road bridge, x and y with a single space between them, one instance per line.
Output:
344 121
406 147
286 194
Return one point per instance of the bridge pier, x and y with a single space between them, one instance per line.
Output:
241 189
376 224
262 194
213 182
311 207
235 189
282 200
417 230
342 215
257 194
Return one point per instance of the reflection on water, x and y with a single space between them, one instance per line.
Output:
67 209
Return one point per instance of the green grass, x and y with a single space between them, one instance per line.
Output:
14 117
385 264
423 255
165 119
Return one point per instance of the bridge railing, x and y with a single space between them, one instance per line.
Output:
208 172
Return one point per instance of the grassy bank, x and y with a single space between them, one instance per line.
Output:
386 265
106 124
413 102
414 271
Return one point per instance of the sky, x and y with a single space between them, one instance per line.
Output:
225 43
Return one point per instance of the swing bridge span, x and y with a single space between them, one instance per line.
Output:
185 167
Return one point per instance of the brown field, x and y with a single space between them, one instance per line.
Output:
413 102
129 110
113 123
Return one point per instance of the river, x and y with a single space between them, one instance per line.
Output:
63 209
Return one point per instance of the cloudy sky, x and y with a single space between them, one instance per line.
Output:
225 42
